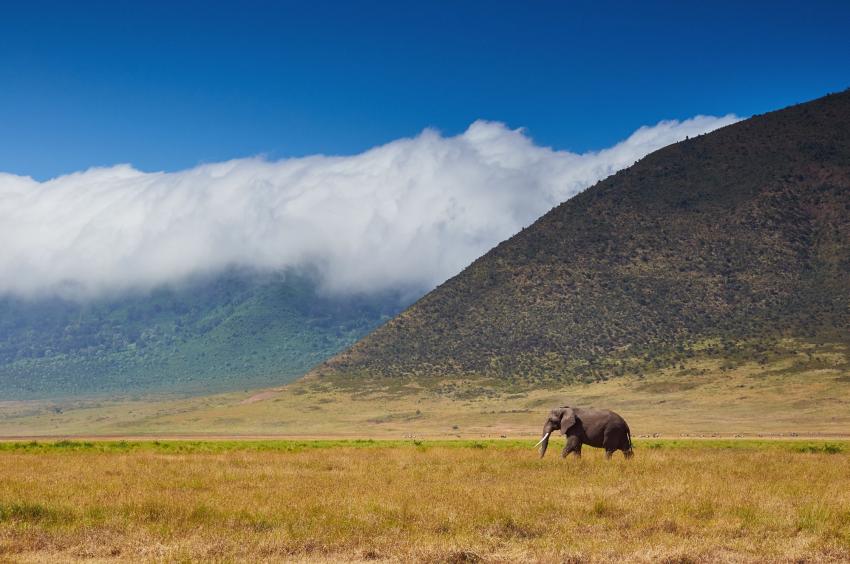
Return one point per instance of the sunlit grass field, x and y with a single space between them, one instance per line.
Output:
677 500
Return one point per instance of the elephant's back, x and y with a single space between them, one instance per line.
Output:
600 414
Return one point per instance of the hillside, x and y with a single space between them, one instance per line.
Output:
718 245
229 332
802 388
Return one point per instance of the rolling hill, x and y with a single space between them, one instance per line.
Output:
228 332
720 245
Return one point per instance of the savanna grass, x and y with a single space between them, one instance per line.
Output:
491 500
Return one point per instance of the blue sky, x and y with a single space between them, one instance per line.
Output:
166 87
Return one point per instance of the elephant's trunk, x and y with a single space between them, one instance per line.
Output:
544 443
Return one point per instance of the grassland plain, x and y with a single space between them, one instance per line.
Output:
803 389
489 500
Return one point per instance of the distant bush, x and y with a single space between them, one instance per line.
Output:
828 448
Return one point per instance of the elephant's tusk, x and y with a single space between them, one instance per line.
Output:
541 440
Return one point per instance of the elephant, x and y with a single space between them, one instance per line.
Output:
595 427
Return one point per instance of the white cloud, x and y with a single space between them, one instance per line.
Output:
406 215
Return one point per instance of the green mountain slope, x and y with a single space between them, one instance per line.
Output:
725 242
231 332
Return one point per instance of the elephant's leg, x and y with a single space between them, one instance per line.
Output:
573 445
610 443
626 447
614 440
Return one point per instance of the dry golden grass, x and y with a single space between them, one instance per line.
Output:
678 500
496 501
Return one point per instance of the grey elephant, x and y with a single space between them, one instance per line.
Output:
595 427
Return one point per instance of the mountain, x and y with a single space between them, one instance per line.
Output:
722 244
228 332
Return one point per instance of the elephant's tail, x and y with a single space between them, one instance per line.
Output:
629 437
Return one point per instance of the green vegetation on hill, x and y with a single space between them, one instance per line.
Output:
730 241
230 332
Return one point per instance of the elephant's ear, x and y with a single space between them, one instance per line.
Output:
568 419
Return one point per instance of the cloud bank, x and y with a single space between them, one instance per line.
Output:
403 216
